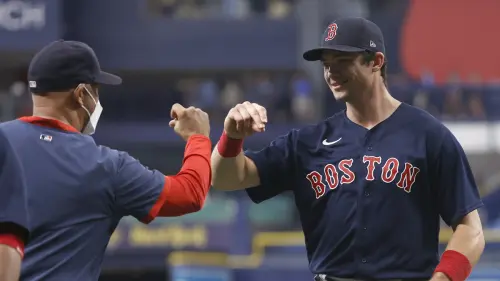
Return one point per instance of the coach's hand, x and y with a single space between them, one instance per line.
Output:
189 121
244 120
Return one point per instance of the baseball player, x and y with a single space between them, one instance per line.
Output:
13 213
78 191
370 182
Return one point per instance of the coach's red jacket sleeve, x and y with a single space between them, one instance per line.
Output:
146 194
13 207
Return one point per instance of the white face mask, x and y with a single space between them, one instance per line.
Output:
93 117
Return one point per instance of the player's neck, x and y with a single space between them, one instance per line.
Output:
372 108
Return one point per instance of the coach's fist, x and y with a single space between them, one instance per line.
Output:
245 119
189 121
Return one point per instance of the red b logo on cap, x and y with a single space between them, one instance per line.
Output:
332 32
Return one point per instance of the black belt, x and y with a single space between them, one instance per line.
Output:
323 277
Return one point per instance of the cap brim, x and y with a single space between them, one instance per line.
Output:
108 79
315 54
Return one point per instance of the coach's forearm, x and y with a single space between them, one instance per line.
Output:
228 173
187 191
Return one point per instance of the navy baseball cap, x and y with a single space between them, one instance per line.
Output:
349 35
62 65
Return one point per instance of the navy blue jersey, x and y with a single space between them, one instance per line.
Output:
370 201
12 186
77 193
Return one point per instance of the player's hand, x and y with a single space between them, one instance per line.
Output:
189 121
244 120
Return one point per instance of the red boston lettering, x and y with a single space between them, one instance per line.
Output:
390 170
372 160
332 176
408 177
342 174
317 184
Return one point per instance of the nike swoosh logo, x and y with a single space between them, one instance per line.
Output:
325 142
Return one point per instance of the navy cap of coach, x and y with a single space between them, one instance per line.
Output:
62 65
349 35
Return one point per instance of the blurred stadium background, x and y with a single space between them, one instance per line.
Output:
216 53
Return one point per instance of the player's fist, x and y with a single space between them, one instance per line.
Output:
244 120
189 121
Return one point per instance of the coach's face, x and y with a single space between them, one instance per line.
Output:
345 73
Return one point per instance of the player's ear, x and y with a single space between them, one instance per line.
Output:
378 61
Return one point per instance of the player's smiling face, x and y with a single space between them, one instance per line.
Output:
344 73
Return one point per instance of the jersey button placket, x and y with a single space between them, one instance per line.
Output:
366 193
368 150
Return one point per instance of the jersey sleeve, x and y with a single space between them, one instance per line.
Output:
458 194
13 202
275 167
139 191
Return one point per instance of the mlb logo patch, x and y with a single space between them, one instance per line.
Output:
46 138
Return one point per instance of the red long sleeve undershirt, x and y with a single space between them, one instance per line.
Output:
186 192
